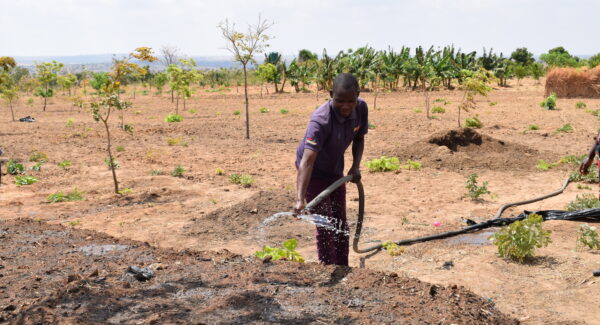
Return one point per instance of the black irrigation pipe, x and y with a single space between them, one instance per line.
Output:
473 227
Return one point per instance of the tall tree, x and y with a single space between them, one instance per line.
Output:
46 75
244 46
522 56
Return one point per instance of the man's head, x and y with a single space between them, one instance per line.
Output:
344 94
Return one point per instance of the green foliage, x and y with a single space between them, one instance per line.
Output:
438 110
75 223
372 126
442 100
580 105
533 127
156 172
111 164
264 110
559 57
594 61
543 165
74 195
128 128
473 122
287 252
550 102
64 164
383 164
125 191
70 122
192 111
393 249
120 148
25 180
37 167
412 165
519 240
588 237
565 128
591 177
583 202
177 141
418 110
284 111
237 113
570 159
99 81
219 171
15 168
474 190
493 103
243 180
173 118
178 171
522 56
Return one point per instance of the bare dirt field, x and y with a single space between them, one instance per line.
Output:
203 211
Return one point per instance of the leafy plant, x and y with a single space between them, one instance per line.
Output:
37 167
237 113
128 128
284 111
372 126
25 180
75 223
418 110
192 111
550 102
590 177
533 127
287 252
15 168
438 110
219 171
442 100
156 172
120 148
519 240
580 105
383 164
173 118
64 164
570 159
474 190
412 165
543 165
493 103
125 191
178 171
565 128
38 156
74 195
393 249
243 180
264 110
111 163
473 122
588 237
70 123
583 202
583 187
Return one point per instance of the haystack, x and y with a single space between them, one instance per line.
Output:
571 82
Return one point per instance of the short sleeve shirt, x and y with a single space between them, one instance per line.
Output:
330 134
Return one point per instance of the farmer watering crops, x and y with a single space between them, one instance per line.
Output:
320 162
587 162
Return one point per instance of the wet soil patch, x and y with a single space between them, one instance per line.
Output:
52 282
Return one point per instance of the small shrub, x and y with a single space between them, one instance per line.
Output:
30 101
74 195
549 102
37 167
14 168
264 110
38 156
137 112
588 237
438 110
533 127
287 252
156 172
565 128
128 128
243 180
583 187
519 240
65 164
543 165
580 105
219 171
583 202
473 122
237 113
173 118
75 223
25 180
144 92
474 190
284 111
178 171
120 149
114 162
570 159
174 141
393 249
70 123
383 164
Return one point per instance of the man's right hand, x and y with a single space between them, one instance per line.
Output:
299 206
585 165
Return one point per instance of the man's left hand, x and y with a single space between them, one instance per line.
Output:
356 173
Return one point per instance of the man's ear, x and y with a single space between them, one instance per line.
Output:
331 93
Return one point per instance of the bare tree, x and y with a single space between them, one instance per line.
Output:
244 47
169 55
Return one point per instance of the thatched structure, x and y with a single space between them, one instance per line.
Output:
571 82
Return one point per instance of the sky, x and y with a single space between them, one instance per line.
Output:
78 27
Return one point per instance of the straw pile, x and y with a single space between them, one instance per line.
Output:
570 82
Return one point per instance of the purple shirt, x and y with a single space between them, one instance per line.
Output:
330 134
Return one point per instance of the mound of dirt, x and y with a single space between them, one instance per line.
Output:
465 148
56 275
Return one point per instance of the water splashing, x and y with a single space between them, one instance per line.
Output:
322 222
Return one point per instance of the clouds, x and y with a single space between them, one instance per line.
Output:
62 27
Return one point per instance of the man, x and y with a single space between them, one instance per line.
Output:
587 162
320 162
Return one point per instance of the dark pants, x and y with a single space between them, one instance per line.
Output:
332 246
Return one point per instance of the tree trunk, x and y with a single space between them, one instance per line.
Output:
44 103
11 113
261 87
110 156
172 96
246 101
177 105
427 101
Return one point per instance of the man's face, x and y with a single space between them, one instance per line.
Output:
344 102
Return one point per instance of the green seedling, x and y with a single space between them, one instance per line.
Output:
74 195
128 128
219 171
37 167
475 191
192 111
38 156
565 128
237 113
25 180
120 148
125 191
543 165
372 126
580 105
583 202
156 172
412 165
15 168
264 110
583 187
438 110
473 122
284 111
178 171
111 164
493 103
532 127
173 118
519 240
287 252
383 164
588 237
550 102
65 164
393 249
243 180
442 100
70 122
418 110
75 223
591 177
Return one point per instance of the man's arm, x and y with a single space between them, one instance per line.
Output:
303 178
358 146
587 162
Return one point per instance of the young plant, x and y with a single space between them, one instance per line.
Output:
264 110
493 103
237 113
120 148
372 126
473 122
476 84
178 171
126 191
588 237
70 122
438 110
474 190
156 172
243 180
383 164
38 156
583 202
591 177
37 167
519 240
65 164
580 105
565 128
25 180
111 163
173 118
533 127
219 171
46 75
284 111
393 249
412 165
543 165
287 252
74 195
14 168
550 102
